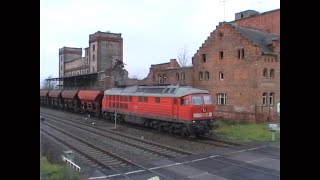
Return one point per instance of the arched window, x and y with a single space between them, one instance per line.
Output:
264 98
177 76
164 78
183 77
271 73
265 72
160 79
200 75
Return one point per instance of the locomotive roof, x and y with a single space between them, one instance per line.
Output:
158 91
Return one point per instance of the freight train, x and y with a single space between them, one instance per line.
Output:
175 109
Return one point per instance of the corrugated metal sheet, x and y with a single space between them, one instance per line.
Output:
43 93
54 93
90 95
69 94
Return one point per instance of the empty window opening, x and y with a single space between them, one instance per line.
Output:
204 58
220 54
221 75
200 75
220 34
265 72
271 73
206 75
177 76
242 53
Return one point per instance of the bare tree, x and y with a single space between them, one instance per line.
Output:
183 57
48 84
134 76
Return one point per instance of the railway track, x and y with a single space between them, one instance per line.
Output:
126 140
203 140
97 155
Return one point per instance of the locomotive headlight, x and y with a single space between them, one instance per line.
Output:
193 121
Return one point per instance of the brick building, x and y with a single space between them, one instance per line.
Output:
168 73
88 72
267 21
239 63
241 68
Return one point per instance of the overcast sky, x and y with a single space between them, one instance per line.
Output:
153 31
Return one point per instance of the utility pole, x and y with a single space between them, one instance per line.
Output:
115 119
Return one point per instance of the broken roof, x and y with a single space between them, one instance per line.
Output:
261 38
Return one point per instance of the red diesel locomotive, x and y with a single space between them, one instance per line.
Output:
173 108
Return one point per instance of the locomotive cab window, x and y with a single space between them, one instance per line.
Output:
196 100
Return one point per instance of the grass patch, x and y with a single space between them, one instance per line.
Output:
50 171
246 132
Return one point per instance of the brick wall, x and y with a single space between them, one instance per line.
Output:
268 21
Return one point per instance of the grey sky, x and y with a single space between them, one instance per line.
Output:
153 31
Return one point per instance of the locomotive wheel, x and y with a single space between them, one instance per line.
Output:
146 124
171 129
184 132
